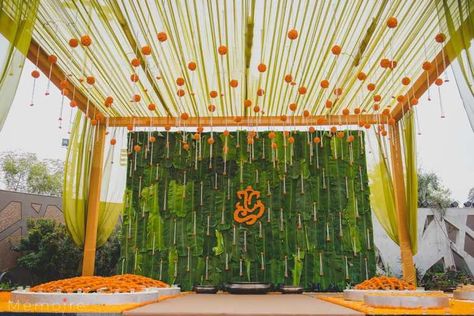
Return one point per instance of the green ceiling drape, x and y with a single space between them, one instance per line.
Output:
17 19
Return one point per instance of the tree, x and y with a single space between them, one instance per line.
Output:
470 196
24 172
431 191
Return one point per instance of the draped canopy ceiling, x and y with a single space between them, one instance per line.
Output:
166 36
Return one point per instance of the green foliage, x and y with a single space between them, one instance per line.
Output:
431 192
49 253
436 278
24 172
178 221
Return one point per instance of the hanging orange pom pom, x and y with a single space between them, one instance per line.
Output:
383 133
306 113
292 106
180 93
427 66
324 84
357 111
262 67
113 141
350 138
210 140
333 129
192 66
162 36
291 139
406 81
146 50
130 127
52 59
385 63
392 22
367 125
328 104
376 107
438 82
237 119
283 118
196 136
302 90
377 98
86 40
336 50
391 121
338 91
321 121
260 92
213 94
274 145
401 99
371 87
393 64
311 129
137 148
200 129
137 97
247 103
108 101
134 77
180 81
256 109
211 108
386 112
152 139
186 146
73 42
340 134
184 116
271 135
414 101
222 50
226 133
288 78
345 111
73 103
440 37
35 74
234 83
361 76
292 34
316 140
90 80
152 107
167 127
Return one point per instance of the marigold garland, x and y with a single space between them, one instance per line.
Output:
384 283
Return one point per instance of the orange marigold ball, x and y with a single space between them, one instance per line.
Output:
271 135
414 101
292 107
385 63
391 121
137 148
306 113
186 146
340 134
350 138
383 133
167 127
184 116
108 101
377 98
283 118
247 103
392 22
427 66
292 34
135 62
234 83
338 91
35 74
226 133
288 78
210 140
401 99
302 90
345 111
367 125
371 87
376 107
321 121
52 59
137 97
333 129
73 103
180 81
134 77
406 81
146 50
256 109
260 92
192 65
200 129
130 127
291 139
180 93
113 141
162 36
152 106
274 145
196 136
90 80
213 94
262 67
361 76
73 42
152 139
311 129
357 111
328 104
86 40
324 84
438 82
386 112
440 37
316 140
336 50
222 50
211 107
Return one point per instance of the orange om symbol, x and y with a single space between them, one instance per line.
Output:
244 214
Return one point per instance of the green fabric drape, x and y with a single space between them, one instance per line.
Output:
17 19
76 185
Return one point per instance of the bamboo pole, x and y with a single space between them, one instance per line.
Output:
93 202
408 268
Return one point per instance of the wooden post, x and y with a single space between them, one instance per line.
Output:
408 268
93 202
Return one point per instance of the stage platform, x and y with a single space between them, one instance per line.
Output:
239 305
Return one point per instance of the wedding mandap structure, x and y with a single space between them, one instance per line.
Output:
259 136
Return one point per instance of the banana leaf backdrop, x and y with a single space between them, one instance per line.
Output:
178 222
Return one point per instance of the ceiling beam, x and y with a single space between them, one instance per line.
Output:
248 121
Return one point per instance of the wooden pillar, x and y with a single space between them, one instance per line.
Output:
408 268
93 202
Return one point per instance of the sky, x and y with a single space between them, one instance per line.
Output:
445 146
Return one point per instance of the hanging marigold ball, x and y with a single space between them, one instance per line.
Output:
256 109
324 84
210 140
377 98
226 133
136 98
185 146
292 107
146 50
64 91
340 134
167 127
376 107
184 116
386 112
35 74
211 108
391 121
283 118
361 76
345 111
383 133
152 106
302 90
200 129
134 77
414 101
130 127
86 40
237 119
338 91
180 92
392 22
271 135
73 42
135 62
196 136
401 99
291 140
262 67
385 63
361 124
137 148
328 104
321 121
222 50
406 81
367 125
247 103
306 113
316 140
286 133
393 64
260 92
292 34
350 138
427 66
371 87
192 65
180 81
333 129
288 78
336 50
440 37
52 59
113 141
234 83
274 145
108 101
73 103
439 82
162 37
152 139
213 94
311 129
90 80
